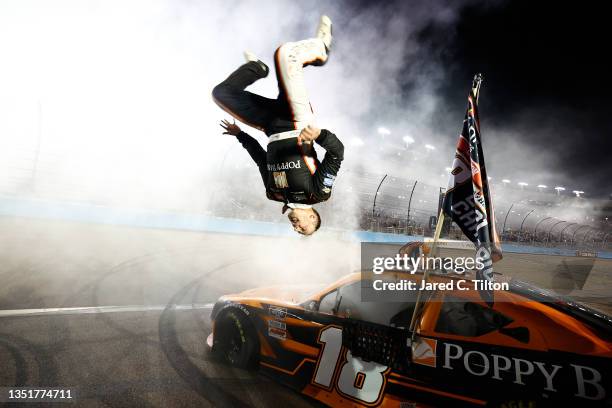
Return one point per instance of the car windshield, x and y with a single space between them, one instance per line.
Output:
308 292
346 301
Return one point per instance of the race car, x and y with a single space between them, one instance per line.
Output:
530 348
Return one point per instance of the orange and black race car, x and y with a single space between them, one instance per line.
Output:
530 348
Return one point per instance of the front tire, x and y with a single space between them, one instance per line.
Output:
235 340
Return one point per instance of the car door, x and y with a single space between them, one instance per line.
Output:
479 351
360 349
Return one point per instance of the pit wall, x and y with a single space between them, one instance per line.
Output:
81 212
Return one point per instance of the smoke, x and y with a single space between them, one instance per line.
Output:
110 101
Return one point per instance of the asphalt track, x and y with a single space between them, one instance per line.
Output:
122 314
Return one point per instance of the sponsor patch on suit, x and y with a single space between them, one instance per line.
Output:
280 179
329 179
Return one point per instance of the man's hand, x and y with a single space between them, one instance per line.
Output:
308 134
230 128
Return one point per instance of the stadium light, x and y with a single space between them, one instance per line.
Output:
578 192
383 131
505 181
522 184
541 186
559 189
408 140
430 147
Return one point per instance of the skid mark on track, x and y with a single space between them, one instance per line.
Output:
19 349
197 379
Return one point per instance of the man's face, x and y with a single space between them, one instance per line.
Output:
303 220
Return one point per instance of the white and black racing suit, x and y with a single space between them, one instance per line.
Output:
291 173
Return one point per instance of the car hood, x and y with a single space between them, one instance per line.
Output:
280 293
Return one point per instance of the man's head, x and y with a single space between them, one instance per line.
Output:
304 220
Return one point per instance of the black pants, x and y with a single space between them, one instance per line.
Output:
268 115
291 109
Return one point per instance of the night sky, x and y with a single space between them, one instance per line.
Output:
543 64
548 57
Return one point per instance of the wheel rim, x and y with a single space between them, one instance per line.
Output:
234 344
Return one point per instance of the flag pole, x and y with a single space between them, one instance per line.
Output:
432 252
476 85
434 246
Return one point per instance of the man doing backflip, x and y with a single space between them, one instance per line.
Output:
289 168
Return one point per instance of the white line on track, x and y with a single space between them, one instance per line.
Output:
100 309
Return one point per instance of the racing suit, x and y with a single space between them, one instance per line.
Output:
291 173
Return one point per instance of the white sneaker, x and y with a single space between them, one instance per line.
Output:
324 31
250 57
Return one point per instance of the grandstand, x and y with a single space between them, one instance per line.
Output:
362 201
